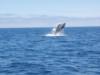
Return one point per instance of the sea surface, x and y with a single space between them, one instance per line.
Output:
27 51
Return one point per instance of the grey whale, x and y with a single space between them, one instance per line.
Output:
57 30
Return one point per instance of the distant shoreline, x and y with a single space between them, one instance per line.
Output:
50 27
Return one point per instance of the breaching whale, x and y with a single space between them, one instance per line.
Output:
57 30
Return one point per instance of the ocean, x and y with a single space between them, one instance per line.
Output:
27 51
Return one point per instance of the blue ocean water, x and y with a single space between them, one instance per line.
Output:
26 51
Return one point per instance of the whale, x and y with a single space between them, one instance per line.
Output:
58 28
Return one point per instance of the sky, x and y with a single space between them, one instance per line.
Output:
47 8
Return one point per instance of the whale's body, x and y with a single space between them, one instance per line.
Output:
58 29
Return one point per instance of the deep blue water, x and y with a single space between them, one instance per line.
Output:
29 52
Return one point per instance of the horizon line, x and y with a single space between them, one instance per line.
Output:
43 15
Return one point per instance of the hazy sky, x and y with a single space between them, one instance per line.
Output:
76 8
65 8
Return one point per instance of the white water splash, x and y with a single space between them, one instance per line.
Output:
57 34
